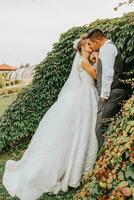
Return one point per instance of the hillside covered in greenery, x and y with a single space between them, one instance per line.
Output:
112 177
21 119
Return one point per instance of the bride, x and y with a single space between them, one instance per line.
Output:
64 146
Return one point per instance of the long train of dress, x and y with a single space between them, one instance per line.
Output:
63 147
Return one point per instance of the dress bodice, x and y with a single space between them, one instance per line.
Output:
84 76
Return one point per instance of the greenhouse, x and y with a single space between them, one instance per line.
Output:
25 74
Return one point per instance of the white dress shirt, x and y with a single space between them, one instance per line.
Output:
107 55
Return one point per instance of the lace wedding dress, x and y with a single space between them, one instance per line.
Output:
64 145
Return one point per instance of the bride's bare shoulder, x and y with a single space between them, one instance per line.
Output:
83 62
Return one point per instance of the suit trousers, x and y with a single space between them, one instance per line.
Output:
108 109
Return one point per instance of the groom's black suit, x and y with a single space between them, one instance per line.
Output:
111 86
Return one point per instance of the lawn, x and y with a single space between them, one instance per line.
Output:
5 101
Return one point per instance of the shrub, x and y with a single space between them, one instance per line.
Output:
113 175
1 83
5 91
17 81
22 118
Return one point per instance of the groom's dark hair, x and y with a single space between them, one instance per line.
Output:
96 34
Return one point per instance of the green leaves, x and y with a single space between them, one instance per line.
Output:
121 175
113 174
129 172
93 188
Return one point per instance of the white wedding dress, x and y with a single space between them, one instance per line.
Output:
64 145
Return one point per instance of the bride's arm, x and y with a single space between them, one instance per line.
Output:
88 68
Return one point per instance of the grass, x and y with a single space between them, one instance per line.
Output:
16 154
3 193
5 101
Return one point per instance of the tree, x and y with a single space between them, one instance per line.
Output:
126 2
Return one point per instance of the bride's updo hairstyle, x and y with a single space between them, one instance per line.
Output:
81 43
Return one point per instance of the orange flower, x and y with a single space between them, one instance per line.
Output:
127 191
116 195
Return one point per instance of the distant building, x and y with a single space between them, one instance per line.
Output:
6 68
24 74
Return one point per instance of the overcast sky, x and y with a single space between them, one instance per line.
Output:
28 28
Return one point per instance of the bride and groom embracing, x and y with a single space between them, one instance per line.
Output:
66 142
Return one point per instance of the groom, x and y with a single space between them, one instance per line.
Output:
109 71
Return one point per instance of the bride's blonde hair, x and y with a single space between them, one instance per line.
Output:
81 43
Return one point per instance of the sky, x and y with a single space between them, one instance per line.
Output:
28 28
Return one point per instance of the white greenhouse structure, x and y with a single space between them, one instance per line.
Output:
24 74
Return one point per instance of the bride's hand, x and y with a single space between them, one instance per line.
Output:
85 64
94 57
